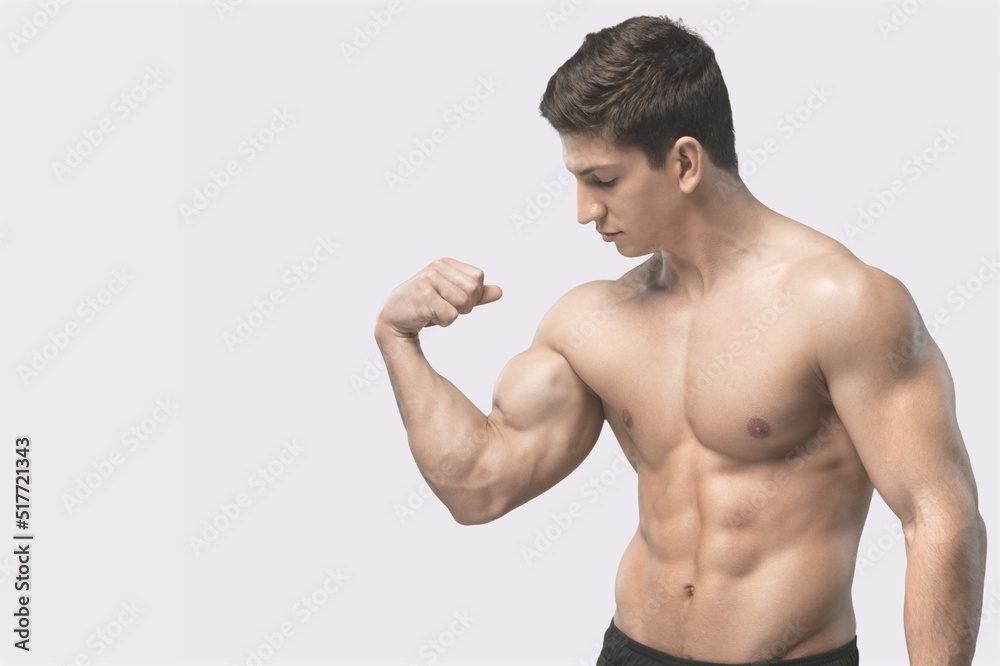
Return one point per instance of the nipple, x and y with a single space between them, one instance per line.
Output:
758 427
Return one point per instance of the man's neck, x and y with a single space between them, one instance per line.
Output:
716 237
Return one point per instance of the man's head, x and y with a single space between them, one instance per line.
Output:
644 117
645 82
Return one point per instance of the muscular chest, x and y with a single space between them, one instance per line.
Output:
733 375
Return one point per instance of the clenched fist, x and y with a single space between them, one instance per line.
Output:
436 295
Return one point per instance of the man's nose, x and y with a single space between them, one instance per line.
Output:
588 208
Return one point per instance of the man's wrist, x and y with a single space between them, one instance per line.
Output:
386 335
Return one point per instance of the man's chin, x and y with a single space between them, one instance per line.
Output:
632 252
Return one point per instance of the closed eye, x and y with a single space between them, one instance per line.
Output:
605 183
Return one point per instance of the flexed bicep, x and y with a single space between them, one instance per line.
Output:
544 422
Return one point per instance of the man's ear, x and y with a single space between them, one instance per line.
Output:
688 159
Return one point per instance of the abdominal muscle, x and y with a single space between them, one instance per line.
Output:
705 578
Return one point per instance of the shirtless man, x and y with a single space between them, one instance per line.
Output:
759 377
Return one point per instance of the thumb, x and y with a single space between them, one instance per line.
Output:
491 293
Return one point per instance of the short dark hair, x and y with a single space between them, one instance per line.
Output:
646 82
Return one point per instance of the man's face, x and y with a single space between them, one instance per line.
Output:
631 203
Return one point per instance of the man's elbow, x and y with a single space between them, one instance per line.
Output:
957 520
480 493
480 499
477 512
979 525
470 518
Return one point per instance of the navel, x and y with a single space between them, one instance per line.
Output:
689 589
758 427
626 418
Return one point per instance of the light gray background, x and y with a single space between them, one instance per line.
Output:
300 375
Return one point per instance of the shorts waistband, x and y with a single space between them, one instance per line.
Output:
620 650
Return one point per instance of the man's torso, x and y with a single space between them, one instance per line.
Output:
751 496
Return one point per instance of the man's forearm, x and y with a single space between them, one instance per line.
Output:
447 433
946 561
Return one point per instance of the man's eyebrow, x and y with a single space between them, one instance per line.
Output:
590 169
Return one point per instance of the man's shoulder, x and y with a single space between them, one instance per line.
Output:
565 315
835 285
588 306
852 309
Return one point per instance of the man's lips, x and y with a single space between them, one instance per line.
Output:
609 236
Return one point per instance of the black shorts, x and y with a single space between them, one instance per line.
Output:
620 650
